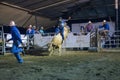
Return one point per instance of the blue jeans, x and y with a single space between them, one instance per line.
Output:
62 32
15 50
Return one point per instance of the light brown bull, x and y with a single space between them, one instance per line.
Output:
56 42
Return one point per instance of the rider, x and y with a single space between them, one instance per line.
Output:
60 27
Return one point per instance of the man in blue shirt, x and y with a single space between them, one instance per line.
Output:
106 28
16 37
30 32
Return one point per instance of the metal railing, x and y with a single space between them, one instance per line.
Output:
2 47
112 43
5 46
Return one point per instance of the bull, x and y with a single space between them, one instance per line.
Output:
56 42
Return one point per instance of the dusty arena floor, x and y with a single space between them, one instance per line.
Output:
72 65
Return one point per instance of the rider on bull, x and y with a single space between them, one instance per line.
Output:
60 27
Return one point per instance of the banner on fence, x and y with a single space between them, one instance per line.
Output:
72 41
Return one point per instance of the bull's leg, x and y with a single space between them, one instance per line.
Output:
60 47
50 49
51 52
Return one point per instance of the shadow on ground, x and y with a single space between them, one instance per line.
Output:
37 52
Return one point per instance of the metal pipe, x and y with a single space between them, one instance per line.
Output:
50 5
116 12
27 20
36 21
14 6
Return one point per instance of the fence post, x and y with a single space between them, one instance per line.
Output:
98 41
28 42
3 42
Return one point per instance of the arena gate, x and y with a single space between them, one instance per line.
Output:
109 44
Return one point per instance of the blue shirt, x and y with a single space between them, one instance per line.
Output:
105 26
62 22
29 32
41 31
15 34
57 30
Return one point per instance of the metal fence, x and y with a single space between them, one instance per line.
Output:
95 41
108 43
5 46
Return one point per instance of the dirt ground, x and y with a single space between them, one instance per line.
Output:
72 65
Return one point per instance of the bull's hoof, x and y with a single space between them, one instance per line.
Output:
50 54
